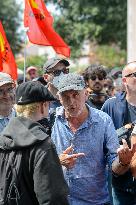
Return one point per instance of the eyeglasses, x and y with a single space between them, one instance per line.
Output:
58 72
6 91
131 75
93 77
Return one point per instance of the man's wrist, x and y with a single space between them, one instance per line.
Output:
124 165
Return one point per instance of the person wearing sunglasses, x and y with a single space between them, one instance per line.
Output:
54 69
94 77
122 110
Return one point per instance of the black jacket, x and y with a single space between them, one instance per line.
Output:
41 181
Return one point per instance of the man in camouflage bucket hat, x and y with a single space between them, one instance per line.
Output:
86 141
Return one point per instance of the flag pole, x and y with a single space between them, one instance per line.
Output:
25 55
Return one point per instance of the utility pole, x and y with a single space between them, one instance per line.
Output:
131 30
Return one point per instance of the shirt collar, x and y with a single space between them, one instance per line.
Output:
92 118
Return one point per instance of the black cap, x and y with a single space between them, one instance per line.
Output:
30 92
54 61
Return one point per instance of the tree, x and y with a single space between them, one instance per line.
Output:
103 21
37 61
10 17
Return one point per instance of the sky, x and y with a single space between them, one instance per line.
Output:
50 7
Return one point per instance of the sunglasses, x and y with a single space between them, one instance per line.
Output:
131 75
58 72
93 77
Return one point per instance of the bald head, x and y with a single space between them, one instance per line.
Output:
129 68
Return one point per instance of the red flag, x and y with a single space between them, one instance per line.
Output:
7 61
39 21
1 66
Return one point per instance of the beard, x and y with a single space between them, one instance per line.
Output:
97 87
71 112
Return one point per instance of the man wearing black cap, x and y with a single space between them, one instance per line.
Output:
26 148
54 69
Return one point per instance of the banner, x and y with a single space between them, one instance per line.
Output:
40 24
7 61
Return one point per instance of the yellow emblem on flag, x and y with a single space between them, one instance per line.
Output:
2 43
33 4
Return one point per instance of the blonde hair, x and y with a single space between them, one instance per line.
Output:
27 110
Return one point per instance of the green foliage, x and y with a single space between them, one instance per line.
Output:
103 21
37 61
10 17
110 56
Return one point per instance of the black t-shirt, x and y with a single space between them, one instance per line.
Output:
96 100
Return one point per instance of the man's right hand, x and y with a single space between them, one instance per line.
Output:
69 160
125 154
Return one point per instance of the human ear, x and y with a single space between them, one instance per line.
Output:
124 80
86 94
42 107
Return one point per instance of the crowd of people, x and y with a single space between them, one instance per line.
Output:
59 143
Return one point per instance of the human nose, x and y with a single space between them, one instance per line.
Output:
71 101
97 79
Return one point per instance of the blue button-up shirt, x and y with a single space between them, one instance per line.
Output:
4 120
97 138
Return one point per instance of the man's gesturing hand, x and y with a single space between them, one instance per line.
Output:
68 160
125 154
